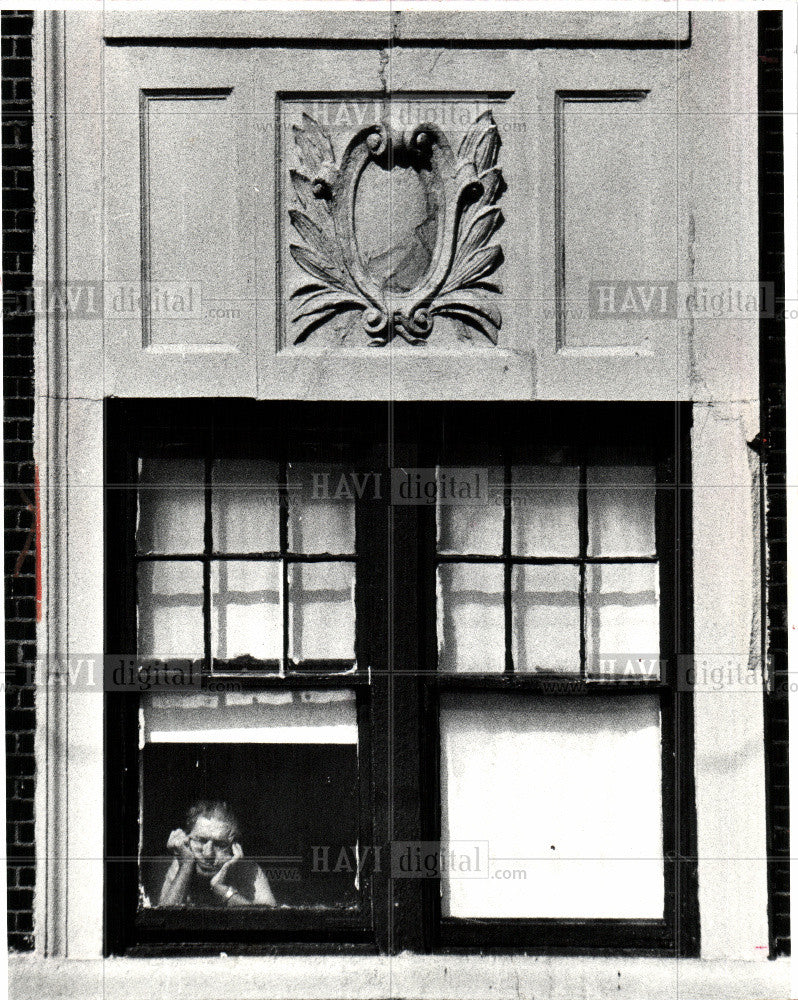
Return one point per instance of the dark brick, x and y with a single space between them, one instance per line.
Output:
26 877
24 833
26 695
15 156
23 90
20 854
17 811
20 899
24 788
19 764
19 407
772 375
16 23
21 718
23 46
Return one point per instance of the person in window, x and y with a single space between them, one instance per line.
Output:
209 867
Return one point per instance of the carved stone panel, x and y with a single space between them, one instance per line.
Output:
391 223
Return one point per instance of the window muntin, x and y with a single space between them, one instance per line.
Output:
569 582
245 560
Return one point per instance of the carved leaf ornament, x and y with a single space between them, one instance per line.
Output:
460 196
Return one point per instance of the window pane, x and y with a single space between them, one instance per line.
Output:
622 614
170 622
546 618
620 509
246 619
285 762
321 507
471 617
322 610
171 514
545 510
566 791
466 529
246 506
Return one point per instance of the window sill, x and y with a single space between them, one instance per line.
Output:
438 977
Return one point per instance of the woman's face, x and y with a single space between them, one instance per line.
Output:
211 841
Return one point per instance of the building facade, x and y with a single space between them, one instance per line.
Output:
399 430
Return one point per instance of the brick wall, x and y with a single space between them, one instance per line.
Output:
773 374
20 520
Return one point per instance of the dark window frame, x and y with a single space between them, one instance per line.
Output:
398 688
133 427
666 427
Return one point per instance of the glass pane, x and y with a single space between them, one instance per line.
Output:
566 791
471 617
170 622
620 510
246 616
474 529
274 771
171 513
545 510
246 506
322 609
321 507
546 618
622 615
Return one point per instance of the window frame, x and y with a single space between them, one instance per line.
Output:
131 426
667 429
398 694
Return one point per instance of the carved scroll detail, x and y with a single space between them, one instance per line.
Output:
456 282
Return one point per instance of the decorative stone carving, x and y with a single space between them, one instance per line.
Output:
433 258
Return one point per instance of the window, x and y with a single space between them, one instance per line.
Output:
243 727
408 632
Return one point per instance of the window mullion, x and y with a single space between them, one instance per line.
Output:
507 542
282 486
206 561
583 543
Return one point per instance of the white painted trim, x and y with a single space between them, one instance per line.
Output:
422 977
729 717
50 436
406 26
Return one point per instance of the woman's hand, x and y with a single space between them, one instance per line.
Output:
179 846
219 882
181 871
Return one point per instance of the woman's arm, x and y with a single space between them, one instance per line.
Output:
263 891
228 882
175 885
262 894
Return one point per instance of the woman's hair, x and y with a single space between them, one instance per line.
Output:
213 809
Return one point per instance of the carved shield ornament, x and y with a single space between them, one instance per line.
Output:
432 255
